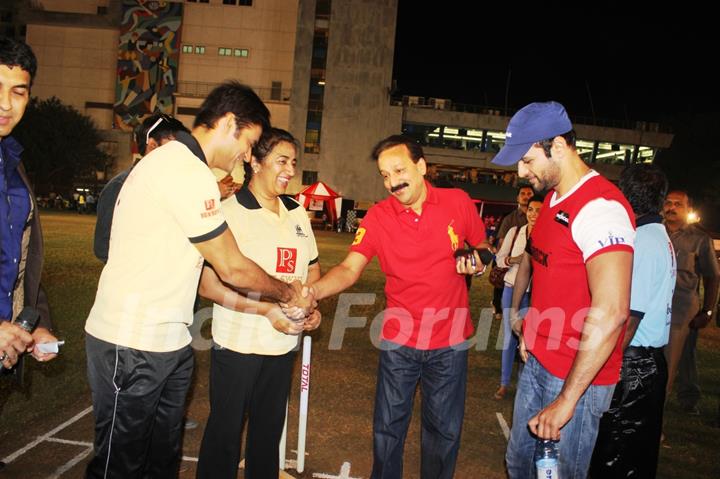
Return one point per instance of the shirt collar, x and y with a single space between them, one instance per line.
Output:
246 199
188 140
11 151
432 198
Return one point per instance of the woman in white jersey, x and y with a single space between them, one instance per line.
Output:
510 256
253 354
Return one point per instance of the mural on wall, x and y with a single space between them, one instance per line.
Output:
148 54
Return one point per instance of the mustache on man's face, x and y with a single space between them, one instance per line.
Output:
395 188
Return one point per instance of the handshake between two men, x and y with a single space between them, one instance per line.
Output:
300 314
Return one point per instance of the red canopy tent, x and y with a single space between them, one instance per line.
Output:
332 202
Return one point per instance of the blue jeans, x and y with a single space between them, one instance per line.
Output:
510 341
443 376
536 389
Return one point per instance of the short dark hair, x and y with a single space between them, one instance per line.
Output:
16 53
523 186
537 198
416 151
645 187
236 98
164 126
569 138
268 140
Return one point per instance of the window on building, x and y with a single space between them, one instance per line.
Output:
224 52
200 50
276 90
312 141
229 2
246 3
242 52
309 177
6 17
187 48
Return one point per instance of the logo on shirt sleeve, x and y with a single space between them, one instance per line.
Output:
210 209
286 260
358 236
611 240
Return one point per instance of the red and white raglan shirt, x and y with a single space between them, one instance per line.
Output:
281 244
593 218
427 300
147 289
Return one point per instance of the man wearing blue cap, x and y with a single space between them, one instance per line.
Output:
581 253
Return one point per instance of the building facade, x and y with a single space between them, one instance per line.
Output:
323 67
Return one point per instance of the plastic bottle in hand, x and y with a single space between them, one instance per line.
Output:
546 459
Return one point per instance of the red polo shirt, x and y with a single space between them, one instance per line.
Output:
427 300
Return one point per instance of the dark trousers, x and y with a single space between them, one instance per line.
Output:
138 403
687 382
497 300
240 383
443 375
629 437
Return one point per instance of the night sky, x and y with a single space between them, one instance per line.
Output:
631 66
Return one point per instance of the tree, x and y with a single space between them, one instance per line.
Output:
61 146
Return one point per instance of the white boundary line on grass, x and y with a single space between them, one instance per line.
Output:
67 441
71 463
20 452
503 425
344 473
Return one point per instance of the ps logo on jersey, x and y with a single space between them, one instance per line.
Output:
562 218
286 260
209 205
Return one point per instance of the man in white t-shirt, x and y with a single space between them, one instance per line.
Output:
167 223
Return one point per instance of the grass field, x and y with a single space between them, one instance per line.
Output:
341 395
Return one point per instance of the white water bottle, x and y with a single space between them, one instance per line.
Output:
546 459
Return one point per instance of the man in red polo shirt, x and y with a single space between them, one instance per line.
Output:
581 251
414 233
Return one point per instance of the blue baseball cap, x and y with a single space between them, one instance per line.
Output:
534 122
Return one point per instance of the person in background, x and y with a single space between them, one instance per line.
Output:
696 261
517 218
510 256
155 130
254 352
629 436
